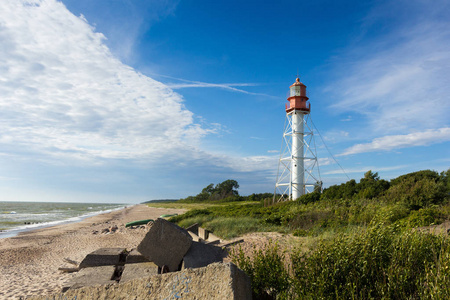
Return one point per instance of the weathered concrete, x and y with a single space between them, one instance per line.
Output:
102 257
165 244
216 281
138 270
91 277
212 237
194 237
135 257
193 228
215 242
201 255
203 233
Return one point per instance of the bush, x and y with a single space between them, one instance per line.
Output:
423 217
309 198
417 193
381 263
266 270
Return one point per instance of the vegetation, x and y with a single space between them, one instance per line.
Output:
225 191
361 238
383 262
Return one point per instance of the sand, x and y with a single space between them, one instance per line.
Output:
29 262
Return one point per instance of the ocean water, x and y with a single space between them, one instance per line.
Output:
16 217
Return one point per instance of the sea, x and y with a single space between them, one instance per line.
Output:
16 217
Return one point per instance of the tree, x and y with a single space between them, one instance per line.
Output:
209 189
227 188
370 176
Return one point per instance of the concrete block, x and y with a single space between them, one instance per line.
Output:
165 244
194 237
103 257
203 233
193 228
215 242
217 281
212 237
201 255
138 270
91 277
135 257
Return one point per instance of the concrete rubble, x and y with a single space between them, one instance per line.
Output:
221 281
169 262
165 244
103 257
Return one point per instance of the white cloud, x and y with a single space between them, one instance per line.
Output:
398 80
226 86
365 169
336 135
65 99
65 95
326 161
249 163
391 142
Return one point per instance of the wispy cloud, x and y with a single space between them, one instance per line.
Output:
391 142
365 169
198 84
399 80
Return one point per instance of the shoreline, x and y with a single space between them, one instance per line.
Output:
29 261
24 228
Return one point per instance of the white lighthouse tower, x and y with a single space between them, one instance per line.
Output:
298 170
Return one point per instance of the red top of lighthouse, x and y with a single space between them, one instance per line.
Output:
297 97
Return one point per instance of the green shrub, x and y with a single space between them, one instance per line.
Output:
266 270
309 198
390 214
423 217
309 219
437 275
381 263
417 190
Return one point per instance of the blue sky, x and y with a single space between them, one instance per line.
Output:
127 101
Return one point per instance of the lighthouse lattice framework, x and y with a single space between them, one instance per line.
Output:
298 168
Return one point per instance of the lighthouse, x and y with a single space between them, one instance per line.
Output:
298 170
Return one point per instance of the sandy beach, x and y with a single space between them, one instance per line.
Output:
29 262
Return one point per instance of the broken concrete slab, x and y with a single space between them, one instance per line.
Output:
212 237
215 242
201 255
103 257
91 277
135 257
232 243
165 244
138 270
203 233
193 228
194 237
217 281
